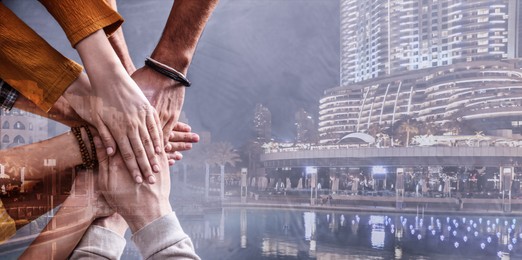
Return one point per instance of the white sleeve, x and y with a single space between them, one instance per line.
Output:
99 243
164 238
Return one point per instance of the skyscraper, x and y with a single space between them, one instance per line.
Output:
436 61
306 127
262 124
382 37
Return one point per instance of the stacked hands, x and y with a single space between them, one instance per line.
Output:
132 114
121 201
119 180
110 100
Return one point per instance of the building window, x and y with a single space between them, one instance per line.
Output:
5 139
5 125
19 125
19 140
31 126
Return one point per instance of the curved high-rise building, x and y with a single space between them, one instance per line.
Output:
433 60
486 95
382 37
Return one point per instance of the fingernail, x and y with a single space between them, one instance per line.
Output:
167 147
110 150
139 179
152 179
171 162
156 168
158 149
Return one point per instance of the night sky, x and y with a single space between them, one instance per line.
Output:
281 53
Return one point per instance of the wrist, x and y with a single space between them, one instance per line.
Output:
180 60
114 222
98 56
139 218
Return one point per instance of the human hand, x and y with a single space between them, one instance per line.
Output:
138 204
165 94
180 139
119 110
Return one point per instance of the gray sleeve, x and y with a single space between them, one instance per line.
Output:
99 243
164 238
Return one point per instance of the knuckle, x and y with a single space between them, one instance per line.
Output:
151 127
127 156
106 139
140 152
146 141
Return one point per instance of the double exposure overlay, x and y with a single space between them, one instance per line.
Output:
332 129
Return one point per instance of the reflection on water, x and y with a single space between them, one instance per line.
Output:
293 234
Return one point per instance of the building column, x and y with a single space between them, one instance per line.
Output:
506 181
399 188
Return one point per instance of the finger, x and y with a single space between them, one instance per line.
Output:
101 154
181 127
174 156
152 121
172 162
149 148
180 146
106 137
128 156
142 159
175 136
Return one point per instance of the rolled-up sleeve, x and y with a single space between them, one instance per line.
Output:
30 65
81 18
7 225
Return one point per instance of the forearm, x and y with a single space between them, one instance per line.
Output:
64 231
61 111
64 148
184 26
119 45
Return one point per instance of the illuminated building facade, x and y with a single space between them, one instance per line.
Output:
382 37
262 124
431 60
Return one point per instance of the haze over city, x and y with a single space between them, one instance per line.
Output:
282 54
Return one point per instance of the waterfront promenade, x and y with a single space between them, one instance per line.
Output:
357 203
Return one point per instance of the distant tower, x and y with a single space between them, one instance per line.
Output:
19 127
305 127
262 124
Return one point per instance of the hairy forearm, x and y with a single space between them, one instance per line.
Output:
184 26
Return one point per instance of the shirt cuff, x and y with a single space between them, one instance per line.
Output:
99 242
8 96
164 237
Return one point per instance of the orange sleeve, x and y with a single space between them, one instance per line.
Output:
30 65
81 18
7 225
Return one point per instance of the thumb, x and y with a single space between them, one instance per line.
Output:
103 164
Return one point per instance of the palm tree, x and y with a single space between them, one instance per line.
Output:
374 129
224 153
408 127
